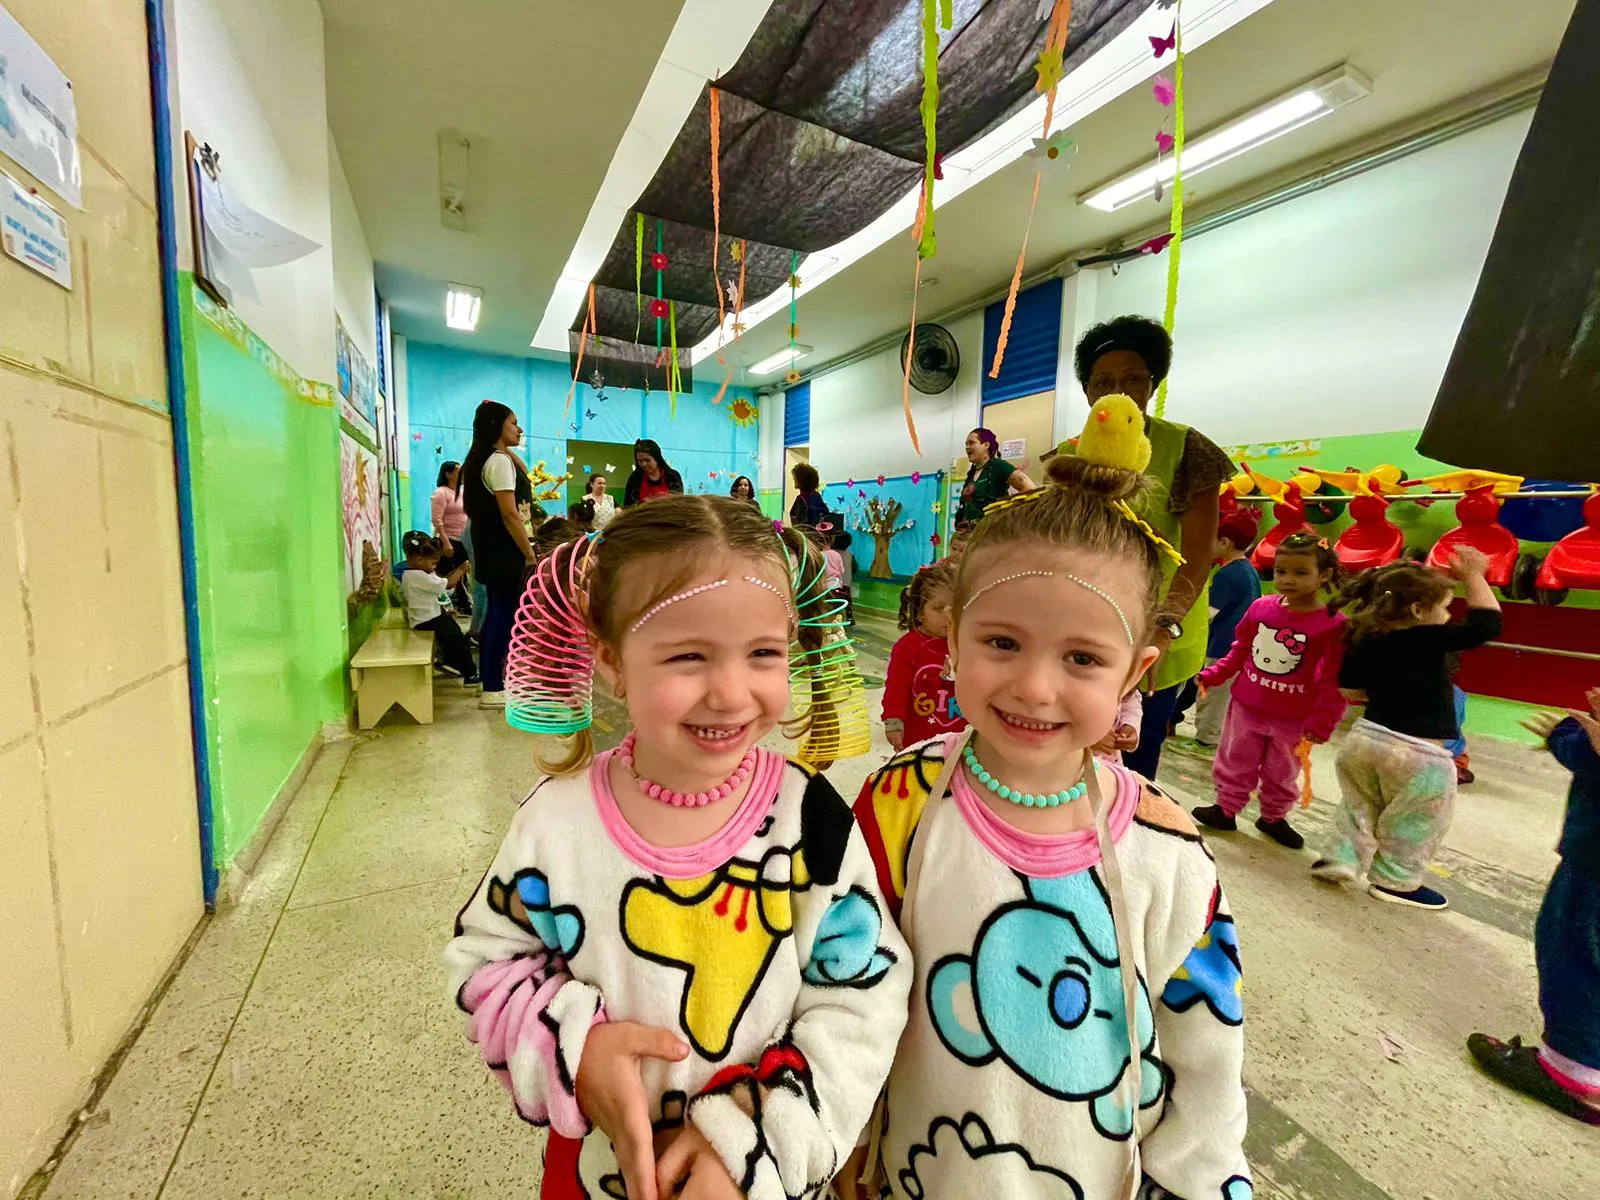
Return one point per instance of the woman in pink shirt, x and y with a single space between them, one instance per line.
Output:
1286 655
449 523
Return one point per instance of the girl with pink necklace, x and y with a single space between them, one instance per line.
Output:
679 959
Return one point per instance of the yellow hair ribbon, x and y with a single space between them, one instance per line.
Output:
1160 543
1010 501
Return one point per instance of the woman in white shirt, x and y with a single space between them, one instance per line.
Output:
605 506
494 487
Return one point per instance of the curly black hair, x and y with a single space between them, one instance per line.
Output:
1143 335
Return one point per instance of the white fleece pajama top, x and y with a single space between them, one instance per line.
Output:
767 948
1006 1084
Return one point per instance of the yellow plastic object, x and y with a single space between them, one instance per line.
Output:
1467 481
1114 435
1239 485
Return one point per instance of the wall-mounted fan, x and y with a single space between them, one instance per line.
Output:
935 359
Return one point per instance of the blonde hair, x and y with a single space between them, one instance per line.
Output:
1077 510
652 551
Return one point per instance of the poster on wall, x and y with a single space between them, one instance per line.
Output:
358 383
38 113
33 233
362 504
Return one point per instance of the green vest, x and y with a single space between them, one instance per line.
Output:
1186 656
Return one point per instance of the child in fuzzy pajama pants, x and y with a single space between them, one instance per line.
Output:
1285 668
1398 778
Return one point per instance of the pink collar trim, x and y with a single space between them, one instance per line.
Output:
1044 856
701 858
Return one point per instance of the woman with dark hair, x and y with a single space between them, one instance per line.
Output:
449 526
1132 355
494 489
604 504
743 489
651 476
808 508
989 478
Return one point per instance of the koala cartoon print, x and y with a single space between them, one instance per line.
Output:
1277 651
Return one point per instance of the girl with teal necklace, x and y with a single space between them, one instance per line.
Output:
1076 960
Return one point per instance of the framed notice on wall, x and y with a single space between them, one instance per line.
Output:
38 113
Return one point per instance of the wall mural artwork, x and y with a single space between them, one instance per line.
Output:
362 508
358 383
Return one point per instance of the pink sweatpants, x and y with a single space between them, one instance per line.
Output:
1257 751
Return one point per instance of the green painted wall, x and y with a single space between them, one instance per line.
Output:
265 448
881 594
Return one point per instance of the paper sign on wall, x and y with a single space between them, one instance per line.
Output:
33 233
1014 448
38 114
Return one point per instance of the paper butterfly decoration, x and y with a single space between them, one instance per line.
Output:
849 483
1162 45
569 462
611 468
588 414
1164 141
881 479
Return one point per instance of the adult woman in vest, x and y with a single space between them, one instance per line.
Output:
651 476
496 492
1132 355
989 478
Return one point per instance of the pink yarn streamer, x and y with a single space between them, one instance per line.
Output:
550 665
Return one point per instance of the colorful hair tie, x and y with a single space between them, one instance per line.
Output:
549 676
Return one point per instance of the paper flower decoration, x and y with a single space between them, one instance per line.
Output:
936 507
916 477
1050 70
1166 91
934 540
736 251
794 281
732 288
849 483
881 479
658 308
792 377
794 332
658 261
743 413
1057 148
1164 142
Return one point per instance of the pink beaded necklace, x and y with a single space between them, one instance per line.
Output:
687 799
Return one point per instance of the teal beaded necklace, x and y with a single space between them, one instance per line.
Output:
1026 799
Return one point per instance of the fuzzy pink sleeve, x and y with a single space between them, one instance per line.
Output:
530 1019
1328 704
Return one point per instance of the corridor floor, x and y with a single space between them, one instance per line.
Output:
308 1048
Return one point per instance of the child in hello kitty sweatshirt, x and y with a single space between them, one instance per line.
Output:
1286 655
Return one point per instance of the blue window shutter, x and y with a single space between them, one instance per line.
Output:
1033 348
797 415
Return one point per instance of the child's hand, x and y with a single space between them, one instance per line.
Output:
611 1094
1107 744
1593 698
1469 563
1126 738
1590 726
692 1169
1542 725
896 738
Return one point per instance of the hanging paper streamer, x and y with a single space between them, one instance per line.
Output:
583 342
638 274
659 257
793 375
1302 752
1175 247
716 199
1051 70
934 14
674 377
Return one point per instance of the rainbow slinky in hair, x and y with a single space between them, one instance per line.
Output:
550 665
825 683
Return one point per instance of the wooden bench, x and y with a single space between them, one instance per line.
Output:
394 666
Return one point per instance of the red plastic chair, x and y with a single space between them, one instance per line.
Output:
1574 561
1290 516
1374 540
1479 514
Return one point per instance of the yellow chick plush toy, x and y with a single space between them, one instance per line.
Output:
1114 435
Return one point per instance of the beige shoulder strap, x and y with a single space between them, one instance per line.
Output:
1133 1080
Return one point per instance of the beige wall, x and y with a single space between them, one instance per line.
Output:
99 866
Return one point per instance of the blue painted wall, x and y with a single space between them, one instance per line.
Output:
447 386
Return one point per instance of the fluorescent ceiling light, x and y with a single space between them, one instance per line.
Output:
783 357
461 306
1256 128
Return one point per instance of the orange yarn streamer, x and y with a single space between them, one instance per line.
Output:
716 201
1303 753
1055 41
738 311
583 342
916 286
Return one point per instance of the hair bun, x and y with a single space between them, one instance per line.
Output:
1114 483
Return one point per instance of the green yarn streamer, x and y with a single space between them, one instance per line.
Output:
638 274
1175 247
928 245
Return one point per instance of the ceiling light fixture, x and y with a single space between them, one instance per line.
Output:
461 306
1268 121
782 358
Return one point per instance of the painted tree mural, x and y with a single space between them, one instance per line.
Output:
877 520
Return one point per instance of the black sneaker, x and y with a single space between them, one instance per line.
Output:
1282 832
446 669
473 680
1518 1067
1212 816
1421 897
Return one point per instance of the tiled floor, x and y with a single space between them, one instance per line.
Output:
308 1047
